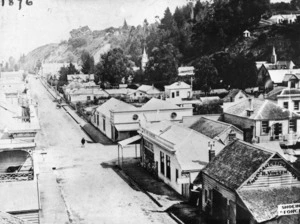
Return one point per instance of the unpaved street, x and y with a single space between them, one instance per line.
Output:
77 184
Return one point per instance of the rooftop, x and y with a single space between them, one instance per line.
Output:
178 85
210 128
190 148
114 105
236 163
232 93
255 200
262 110
157 104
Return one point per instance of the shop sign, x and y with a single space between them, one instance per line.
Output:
289 209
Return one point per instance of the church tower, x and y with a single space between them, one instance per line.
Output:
144 59
274 56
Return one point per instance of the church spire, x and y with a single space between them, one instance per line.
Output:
274 56
144 59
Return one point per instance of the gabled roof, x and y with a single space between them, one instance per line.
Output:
236 163
157 104
124 91
262 110
189 146
114 105
178 85
211 128
148 89
232 93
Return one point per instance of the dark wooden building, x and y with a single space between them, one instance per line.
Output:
245 184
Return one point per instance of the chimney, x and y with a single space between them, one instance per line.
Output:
250 109
211 154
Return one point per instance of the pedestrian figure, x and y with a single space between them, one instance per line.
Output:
82 142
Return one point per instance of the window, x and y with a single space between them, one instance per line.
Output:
205 196
88 97
98 119
173 115
168 167
103 124
286 105
134 94
141 94
95 118
264 127
293 125
162 163
296 105
177 93
176 173
231 136
173 95
135 117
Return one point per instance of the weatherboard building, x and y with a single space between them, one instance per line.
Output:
249 184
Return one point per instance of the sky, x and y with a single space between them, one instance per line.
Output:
50 21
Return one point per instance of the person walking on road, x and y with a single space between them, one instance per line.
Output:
82 142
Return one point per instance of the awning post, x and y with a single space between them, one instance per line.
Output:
118 155
135 151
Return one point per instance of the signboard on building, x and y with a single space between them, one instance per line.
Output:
183 180
289 209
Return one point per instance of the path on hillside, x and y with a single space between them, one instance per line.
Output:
77 184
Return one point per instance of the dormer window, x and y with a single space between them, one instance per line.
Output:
249 113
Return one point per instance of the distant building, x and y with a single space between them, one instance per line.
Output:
119 120
178 90
281 18
235 95
145 91
262 120
81 78
246 33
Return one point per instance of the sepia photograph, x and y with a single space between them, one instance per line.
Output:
149 112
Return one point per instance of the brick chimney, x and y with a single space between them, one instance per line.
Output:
211 154
250 108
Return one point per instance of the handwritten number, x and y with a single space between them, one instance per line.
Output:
3 2
11 2
20 4
28 2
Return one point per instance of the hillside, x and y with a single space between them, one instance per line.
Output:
95 42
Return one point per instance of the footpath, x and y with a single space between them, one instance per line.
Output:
164 196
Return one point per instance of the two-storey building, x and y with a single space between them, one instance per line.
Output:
262 120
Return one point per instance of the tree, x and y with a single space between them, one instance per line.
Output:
113 66
64 72
179 18
125 26
163 64
167 22
206 74
88 63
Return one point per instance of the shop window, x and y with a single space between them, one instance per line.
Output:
168 161
162 163
135 117
264 127
176 173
